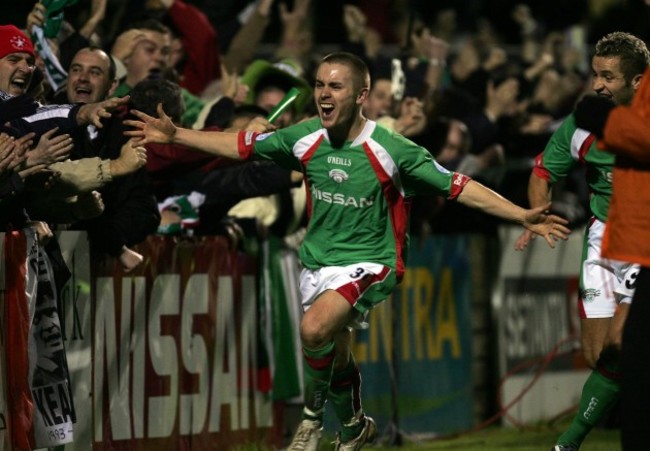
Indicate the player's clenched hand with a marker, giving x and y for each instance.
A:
(150, 129)
(551, 227)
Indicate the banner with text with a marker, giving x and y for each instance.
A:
(176, 350)
(416, 357)
(40, 410)
(170, 356)
(167, 357)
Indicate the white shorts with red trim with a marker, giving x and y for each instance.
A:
(604, 283)
(363, 285)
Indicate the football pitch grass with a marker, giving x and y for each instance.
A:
(508, 439)
(493, 438)
(496, 438)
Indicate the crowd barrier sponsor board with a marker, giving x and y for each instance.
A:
(166, 357)
(535, 310)
(173, 355)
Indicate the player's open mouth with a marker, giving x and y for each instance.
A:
(327, 109)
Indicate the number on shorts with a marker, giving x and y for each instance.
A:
(630, 280)
(357, 272)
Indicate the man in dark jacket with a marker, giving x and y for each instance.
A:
(130, 210)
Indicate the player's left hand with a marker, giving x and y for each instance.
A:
(551, 227)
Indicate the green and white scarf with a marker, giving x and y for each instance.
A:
(55, 73)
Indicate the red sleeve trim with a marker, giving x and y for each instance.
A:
(458, 182)
(246, 144)
(539, 170)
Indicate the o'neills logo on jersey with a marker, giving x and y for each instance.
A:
(341, 199)
(338, 175)
(340, 161)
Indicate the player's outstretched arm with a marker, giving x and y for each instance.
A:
(551, 227)
(162, 130)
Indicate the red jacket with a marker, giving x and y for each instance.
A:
(200, 44)
(166, 161)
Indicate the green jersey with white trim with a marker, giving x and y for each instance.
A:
(569, 146)
(358, 194)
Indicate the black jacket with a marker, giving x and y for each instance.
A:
(131, 212)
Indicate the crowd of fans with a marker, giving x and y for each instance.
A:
(450, 80)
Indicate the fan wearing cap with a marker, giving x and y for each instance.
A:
(17, 65)
(17, 60)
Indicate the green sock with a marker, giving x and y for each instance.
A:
(598, 395)
(317, 365)
(345, 394)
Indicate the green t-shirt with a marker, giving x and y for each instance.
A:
(358, 194)
(569, 146)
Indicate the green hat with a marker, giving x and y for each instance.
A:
(286, 74)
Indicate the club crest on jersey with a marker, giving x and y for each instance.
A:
(589, 294)
(338, 175)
